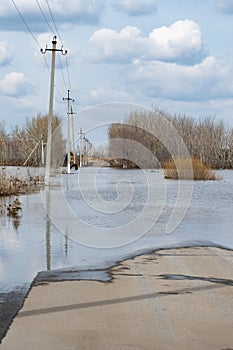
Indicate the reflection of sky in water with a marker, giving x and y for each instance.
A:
(33, 243)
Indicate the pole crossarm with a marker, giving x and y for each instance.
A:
(54, 42)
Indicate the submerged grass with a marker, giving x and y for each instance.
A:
(190, 169)
(17, 184)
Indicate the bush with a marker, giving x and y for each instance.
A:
(189, 169)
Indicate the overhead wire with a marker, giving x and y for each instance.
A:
(53, 20)
(37, 42)
(52, 30)
(59, 36)
(68, 72)
(50, 27)
(29, 30)
(45, 18)
(24, 22)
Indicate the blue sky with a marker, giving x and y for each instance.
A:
(173, 54)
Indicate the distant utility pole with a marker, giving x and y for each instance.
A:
(49, 136)
(72, 121)
(68, 99)
(81, 148)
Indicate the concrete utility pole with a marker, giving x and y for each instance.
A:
(68, 99)
(81, 148)
(42, 149)
(72, 121)
(49, 136)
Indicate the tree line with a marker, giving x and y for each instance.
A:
(147, 140)
(26, 145)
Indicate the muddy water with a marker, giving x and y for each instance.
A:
(92, 218)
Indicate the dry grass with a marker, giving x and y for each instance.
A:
(188, 169)
(15, 184)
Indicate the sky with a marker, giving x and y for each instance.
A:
(176, 55)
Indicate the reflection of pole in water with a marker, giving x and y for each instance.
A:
(66, 242)
(48, 225)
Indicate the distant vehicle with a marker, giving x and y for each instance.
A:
(74, 161)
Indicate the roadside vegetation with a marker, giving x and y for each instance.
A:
(188, 169)
(17, 184)
(27, 144)
(209, 143)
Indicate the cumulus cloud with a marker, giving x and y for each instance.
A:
(115, 46)
(204, 81)
(225, 5)
(65, 12)
(5, 53)
(15, 85)
(136, 8)
(182, 41)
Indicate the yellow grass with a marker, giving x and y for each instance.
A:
(189, 168)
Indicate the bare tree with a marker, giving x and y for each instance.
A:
(205, 139)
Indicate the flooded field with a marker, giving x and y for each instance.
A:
(95, 217)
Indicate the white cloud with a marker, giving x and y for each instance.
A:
(110, 93)
(182, 42)
(5, 53)
(115, 46)
(136, 7)
(207, 80)
(65, 12)
(15, 85)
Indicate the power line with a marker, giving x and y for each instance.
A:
(33, 36)
(68, 73)
(25, 23)
(43, 14)
(29, 30)
(62, 73)
(52, 17)
(35, 39)
(59, 36)
(50, 27)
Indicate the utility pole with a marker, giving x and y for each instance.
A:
(81, 148)
(72, 121)
(42, 149)
(68, 99)
(50, 115)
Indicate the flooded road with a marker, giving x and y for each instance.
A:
(96, 217)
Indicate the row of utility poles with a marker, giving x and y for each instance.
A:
(85, 145)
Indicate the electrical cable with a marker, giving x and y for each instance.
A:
(37, 42)
(25, 23)
(34, 38)
(29, 30)
(50, 27)
(59, 36)
(43, 14)
(68, 73)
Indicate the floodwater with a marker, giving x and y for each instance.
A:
(93, 218)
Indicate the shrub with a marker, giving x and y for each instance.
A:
(189, 168)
